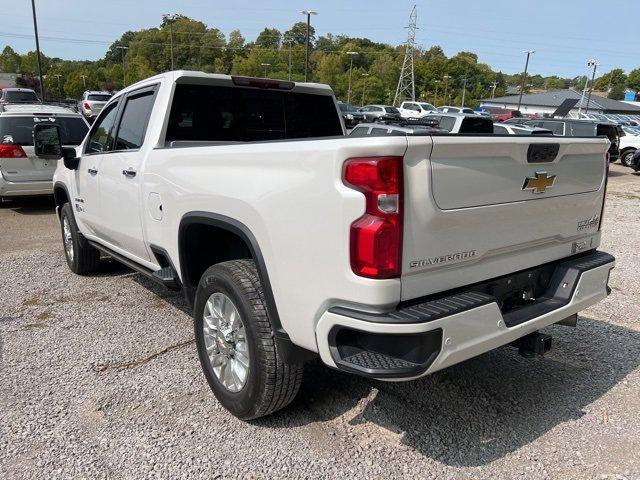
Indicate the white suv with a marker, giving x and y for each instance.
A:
(21, 172)
(416, 109)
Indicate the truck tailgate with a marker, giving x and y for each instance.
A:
(481, 207)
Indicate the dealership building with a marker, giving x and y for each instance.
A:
(547, 103)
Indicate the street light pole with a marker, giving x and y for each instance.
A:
(435, 97)
(364, 87)
(124, 75)
(464, 91)
(446, 87)
(290, 51)
(170, 18)
(594, 64)
(84, 80)
(57, 75)
(308, 13)
(351, 55)
(493, 89)
(35, 29)
(266, 67)
(524, 77)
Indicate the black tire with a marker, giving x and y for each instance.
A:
(626, 158)
(3, 202)
(85, 259)
(271, 384)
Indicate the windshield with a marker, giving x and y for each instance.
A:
(345, 107)
(20, 96)
(392, 110)
(19, 130)
(428, 106)
(99, 97)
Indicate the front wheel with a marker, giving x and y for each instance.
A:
(627, 158)
(81, 257)
(235, 342)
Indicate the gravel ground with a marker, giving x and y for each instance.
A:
(99, 378)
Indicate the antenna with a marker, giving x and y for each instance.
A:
(406, 83)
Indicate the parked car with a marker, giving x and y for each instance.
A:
(629, 143)
(570, 127)
(462, 122)
(371, 112)
(18, 95)
(510, 129)
(388, 257)
(416, 109)
(501, 114)
(350, 115)
(397, 127)
(450, 109)
(91, 103)
(22, 173)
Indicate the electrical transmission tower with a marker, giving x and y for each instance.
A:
(406, 84)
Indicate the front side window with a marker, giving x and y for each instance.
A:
(134, 120)
(100, 138)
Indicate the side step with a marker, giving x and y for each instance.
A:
(167, 276)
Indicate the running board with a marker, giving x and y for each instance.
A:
(165, 276)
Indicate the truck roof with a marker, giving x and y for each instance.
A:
(192, 76)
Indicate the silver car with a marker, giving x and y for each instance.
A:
(92, 102)
(21, 172)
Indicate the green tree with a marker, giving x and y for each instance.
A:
(269, 38)
(617, 92)
(610, 79)
(9, 60)
(298, 34)
(633, 80)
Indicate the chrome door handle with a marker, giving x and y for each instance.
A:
(129, 173)
(92, 171)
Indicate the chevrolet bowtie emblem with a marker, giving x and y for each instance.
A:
(539, 183)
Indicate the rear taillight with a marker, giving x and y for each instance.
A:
(86, 106)
(607, 160)
(376, 237)
(10, 150)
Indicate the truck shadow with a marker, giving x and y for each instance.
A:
(40, 205)
(478, 411)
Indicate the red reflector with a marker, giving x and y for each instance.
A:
(86, 106)
(262, 83)
(376, 237)
(10, 150)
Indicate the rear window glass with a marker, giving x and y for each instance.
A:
(19, 129)
(359, 132)
(476, 125)
(583, 129)
(228, 114)
(18, 96)
(98, 97)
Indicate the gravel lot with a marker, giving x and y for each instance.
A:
(99, 378)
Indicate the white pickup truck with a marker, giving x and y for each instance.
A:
(387, 256)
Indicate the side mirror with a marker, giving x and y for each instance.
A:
(71, 161)
(46, 141)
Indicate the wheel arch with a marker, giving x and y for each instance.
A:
(60, 196)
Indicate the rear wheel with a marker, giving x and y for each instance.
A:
(81, 257)
(627, 157)
(235, 342)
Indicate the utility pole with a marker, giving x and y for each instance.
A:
(494, 85)
(435, 97)
(351, 55)
(124, 75)
(364, 87)
(446, 87)
(266, 67)
(57, 75)
(35, 29)
(290, 51)
(406, 83)
(170, 18)
(464, 90)
(594, 64)
(308, 13)
(84, 80)
(524, 77)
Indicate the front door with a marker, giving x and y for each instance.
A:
(86, 198)
(121, 178)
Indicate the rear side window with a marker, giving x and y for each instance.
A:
(232, 114)
(98, 97)
(476, 125)
(19, 130)
(583, 130)
(134, 120)
(556, 127)
(359, 132)
(447, 123)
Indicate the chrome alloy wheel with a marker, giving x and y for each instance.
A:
(226, 342)
(67, 238)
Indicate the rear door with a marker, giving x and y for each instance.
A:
(121, 176)
(482, 207)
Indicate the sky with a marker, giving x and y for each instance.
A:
(565, 34)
